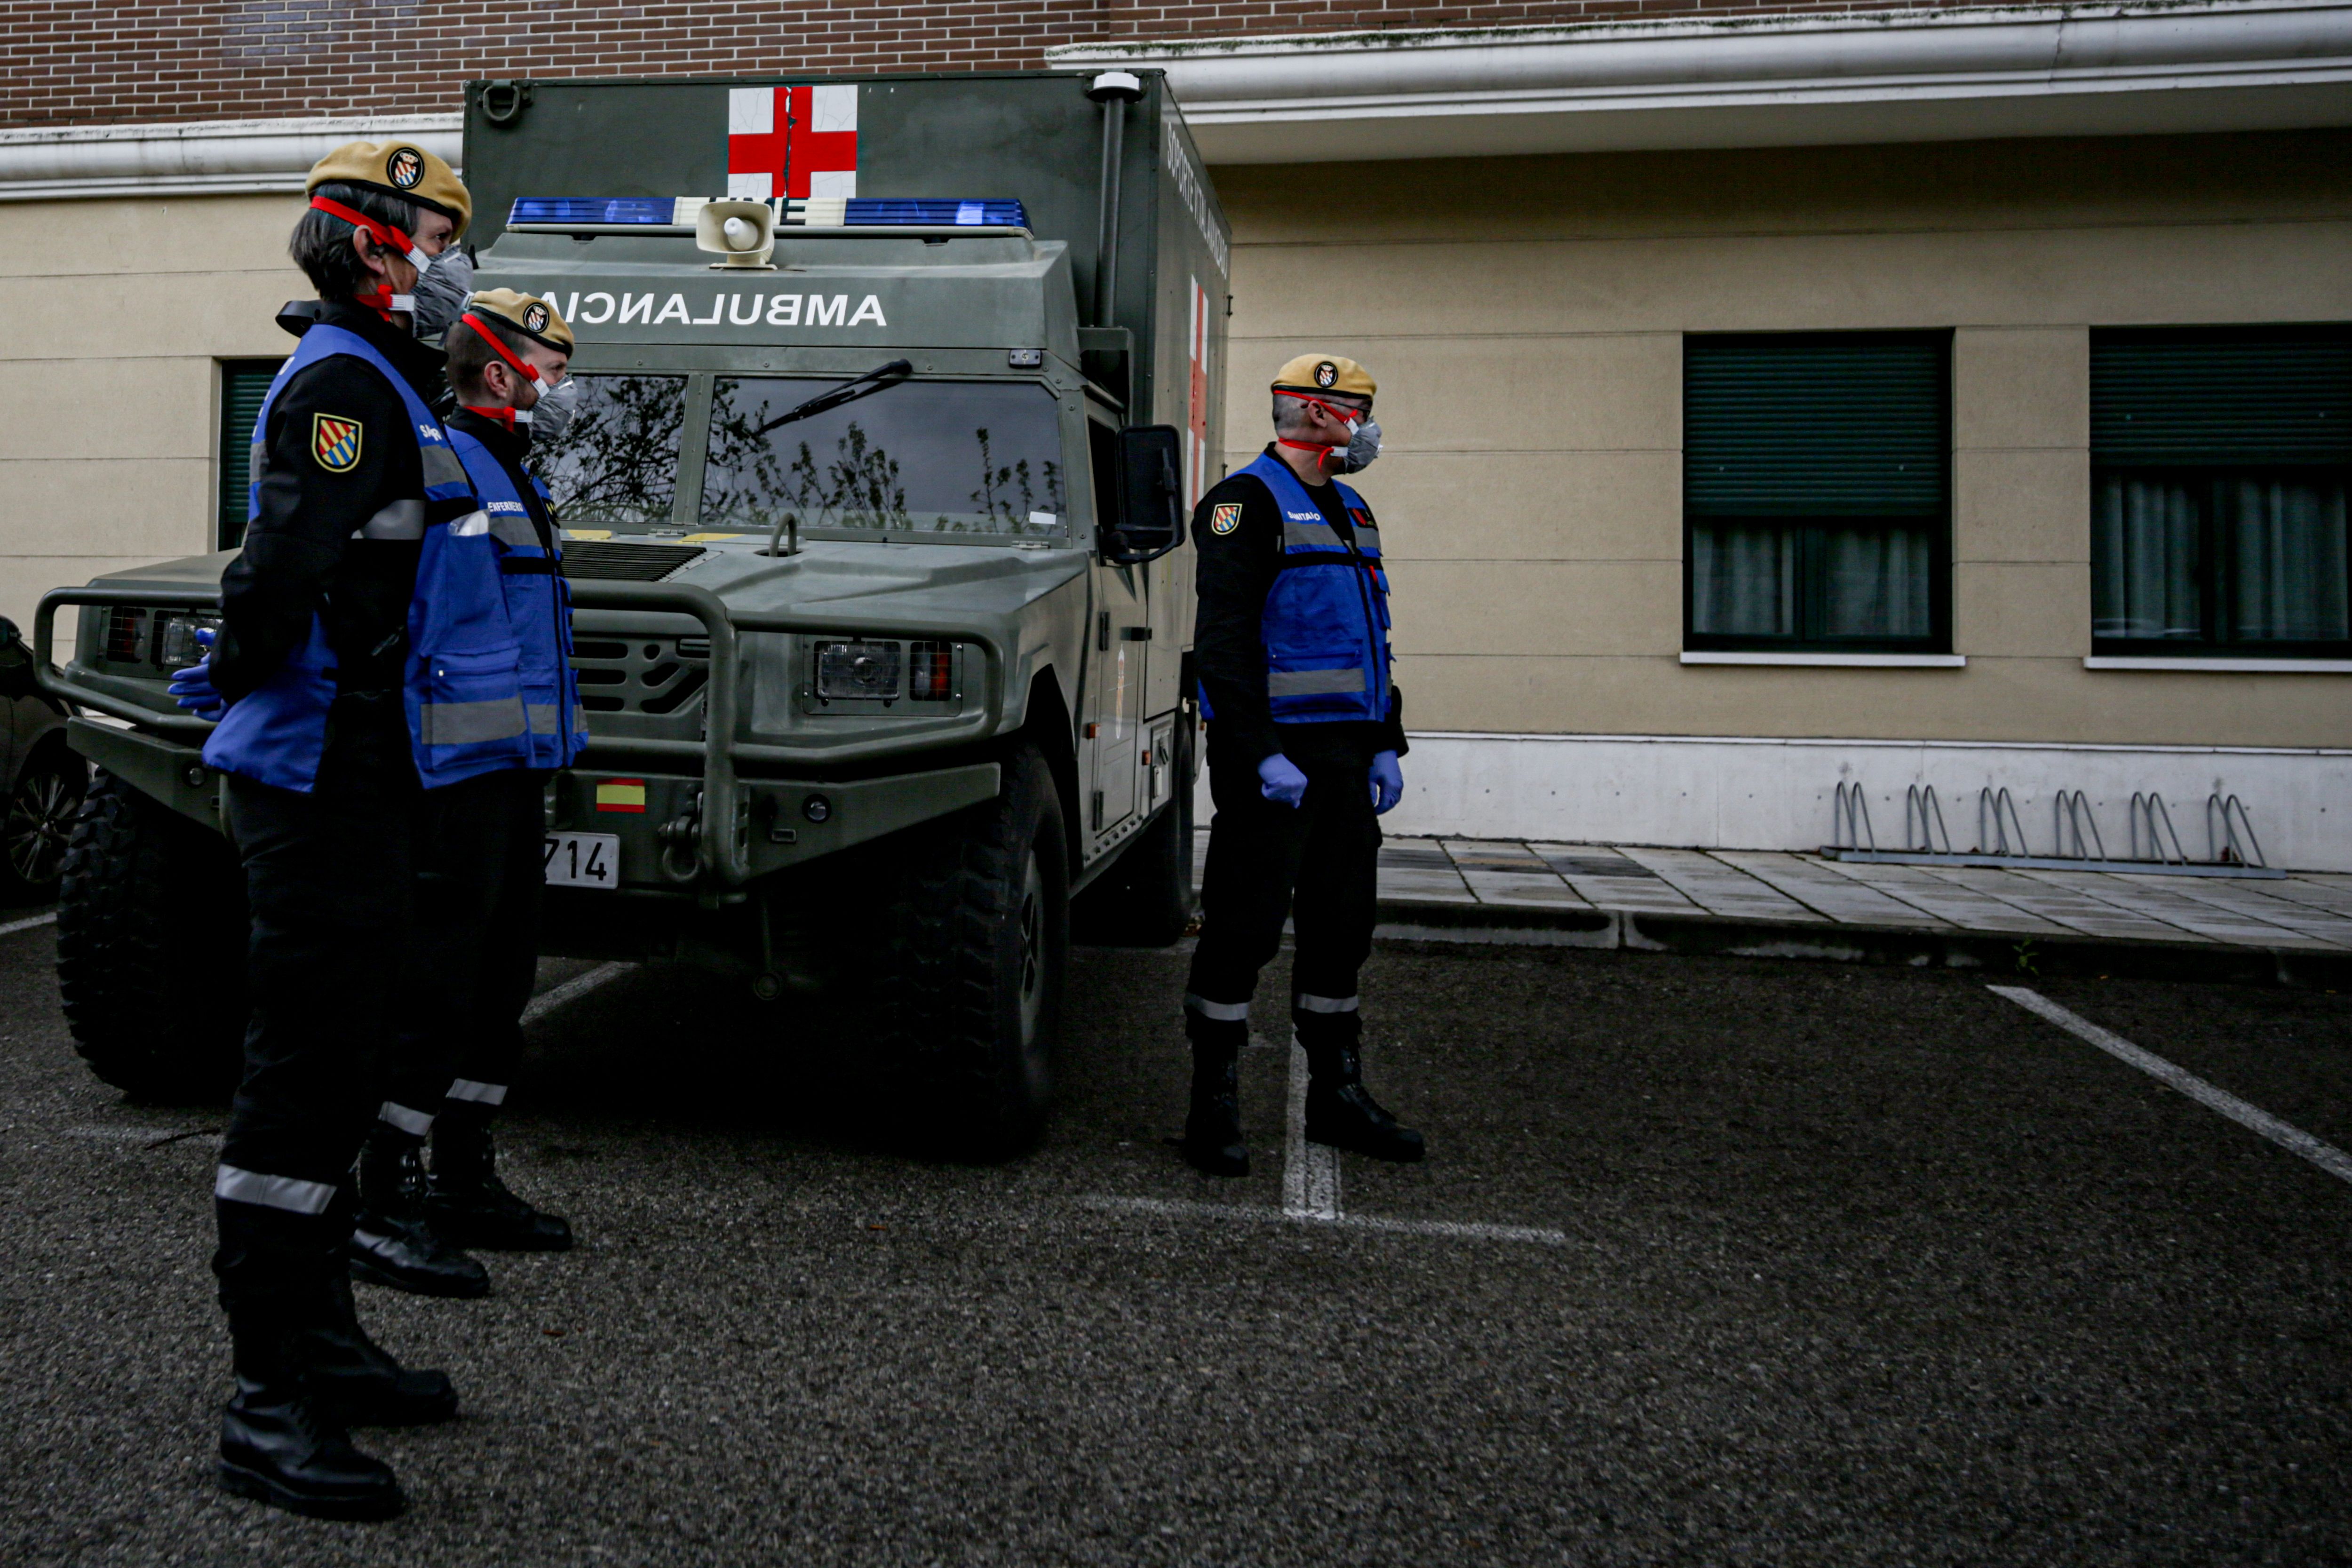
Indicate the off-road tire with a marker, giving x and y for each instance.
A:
(150, 948)
(1145, 900)
(976, 931)
(37, 824)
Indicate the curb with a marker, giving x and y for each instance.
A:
(1912, 947)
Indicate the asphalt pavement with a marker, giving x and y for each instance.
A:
(1714, 1261)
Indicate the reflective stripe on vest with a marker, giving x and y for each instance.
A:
(1326, 620)
(538, 612)
(276, 733)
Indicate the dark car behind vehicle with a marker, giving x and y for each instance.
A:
(45, 780)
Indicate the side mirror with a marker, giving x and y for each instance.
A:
(1150, 520)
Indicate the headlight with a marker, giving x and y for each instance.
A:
(174, 639)
(857, 670)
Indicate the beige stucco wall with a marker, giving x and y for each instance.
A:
(116, 317)
(1524, 318)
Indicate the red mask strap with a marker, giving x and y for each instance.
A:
(382, 233)
(495, 416)
(1324, 455)
(377, 300)
(528, 371)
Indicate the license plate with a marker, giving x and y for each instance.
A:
(583, 859)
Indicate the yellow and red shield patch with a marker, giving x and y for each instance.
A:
(335, 443)
(1224, 518)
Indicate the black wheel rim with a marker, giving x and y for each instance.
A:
(40, 820)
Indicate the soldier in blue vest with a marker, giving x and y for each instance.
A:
(364, 659)
(1305, 731)
(479, 857)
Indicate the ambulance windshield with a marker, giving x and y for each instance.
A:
(920, 456)
(616, 465)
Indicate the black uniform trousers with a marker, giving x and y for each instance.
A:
(479, 874)
(1315, 863)
(328, 880)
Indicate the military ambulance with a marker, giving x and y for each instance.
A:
(898, 393)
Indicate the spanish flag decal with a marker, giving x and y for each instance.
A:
(621, 795)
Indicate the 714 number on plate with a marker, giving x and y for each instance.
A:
(583, 860)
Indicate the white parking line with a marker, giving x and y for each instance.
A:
(2295, 1139)
(1310, 1172)
(1462, 1231)
(571, 990)
(29, 923)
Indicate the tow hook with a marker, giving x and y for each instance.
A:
(680, 859)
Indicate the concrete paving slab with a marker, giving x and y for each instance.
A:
(1825, 892)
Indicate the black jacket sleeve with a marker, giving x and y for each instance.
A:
(1234, 572)
(308, 510)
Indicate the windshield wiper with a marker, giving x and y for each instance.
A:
(880, 379)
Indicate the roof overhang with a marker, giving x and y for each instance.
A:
(1749, 81)
(204, 157)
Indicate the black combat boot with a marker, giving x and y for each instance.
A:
(1341, 1111)
(467, 1203)
(280, 1445)
(393, 1244)
(356, 1380)
(1212, 1130)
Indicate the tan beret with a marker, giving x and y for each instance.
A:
(533, 317)
(1312, 374)
(397, 168)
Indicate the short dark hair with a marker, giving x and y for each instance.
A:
(322, 244)
(469, 355)
(1290, 408)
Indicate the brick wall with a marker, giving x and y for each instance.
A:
(100, 61)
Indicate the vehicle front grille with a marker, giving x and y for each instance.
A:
(607, 561)
(640, 674)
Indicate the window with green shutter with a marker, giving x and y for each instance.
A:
(244, 383)
(2219, 467)
(1817, 491)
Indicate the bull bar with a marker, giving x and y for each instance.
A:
(723, 845)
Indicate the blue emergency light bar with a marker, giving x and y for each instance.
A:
(593, 209)
(865, 212)
(821, 212)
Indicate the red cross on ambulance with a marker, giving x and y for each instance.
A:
(794, 141)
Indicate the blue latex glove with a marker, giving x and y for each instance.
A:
(1280, 780)
(1388, 783)
(193, 689)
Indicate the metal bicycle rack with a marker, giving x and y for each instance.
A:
(2076, 843)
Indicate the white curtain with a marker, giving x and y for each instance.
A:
(1870, 581)
(2286, 580)
(1744, 582)
(1875, 582)
(2281, 543)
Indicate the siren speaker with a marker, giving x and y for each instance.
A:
(742, 232)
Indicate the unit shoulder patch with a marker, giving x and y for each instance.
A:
(335, 442)
(1226, 518)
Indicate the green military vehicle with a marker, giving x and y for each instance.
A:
(897, 394)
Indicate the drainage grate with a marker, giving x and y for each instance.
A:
(600, 560)
(1598, 866)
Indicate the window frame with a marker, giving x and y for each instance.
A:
(1811, 583)
(233, 447)
(2214, 558)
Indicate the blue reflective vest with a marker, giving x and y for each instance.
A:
(462, 688)
(539, 610)
(1325, 624)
